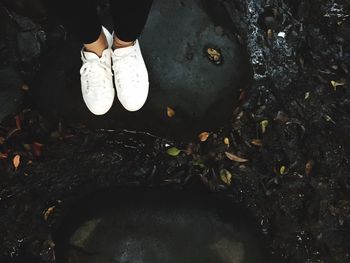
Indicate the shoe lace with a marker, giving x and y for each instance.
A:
(126, 66)
(92, 73)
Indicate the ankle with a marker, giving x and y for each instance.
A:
(118, 43)
(98, 46)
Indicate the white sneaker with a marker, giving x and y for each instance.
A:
(97, 79)
(131, 77)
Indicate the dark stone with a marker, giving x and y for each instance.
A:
(157, 227)
(28, 45)
(10, 91)
(182, 77)
(30, 8)
(25, 23)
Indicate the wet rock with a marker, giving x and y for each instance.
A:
(159, 227)
(32, 8)
(181, 75)
(11, 92)
(28, 45)
(25, 23)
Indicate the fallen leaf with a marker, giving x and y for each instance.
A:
(2, 140)
(307, 95)
(264, 125)
(214, 55)
(16, 161)
(256, 142)
(226, 176)
(203, 136)
(12, 133)
(308, 167)
(282, 117)
(25, 87)
(269, 33)
(189, 149)
(282, 170)
(242, 95)
(48, 212)
(235, 158)
(170, 112)
(173, 151)
(226, 141)
(37, 147)
(335, 84)
(18, 122)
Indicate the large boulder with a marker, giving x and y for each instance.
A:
(175, 42)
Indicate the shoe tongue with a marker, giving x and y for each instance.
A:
(90, 55)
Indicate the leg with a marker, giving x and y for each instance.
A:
(130, 72)
(129, 17)
(80, 18)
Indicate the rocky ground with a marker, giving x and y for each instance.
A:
(283, 155)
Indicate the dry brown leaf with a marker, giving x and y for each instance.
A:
(189, 149)
(18, 122)
(269, 33)
(214, 55)
(235, 158)
(16, 161)
(48, 212)
(3, 155)
(308, 167)
(256, 142)
(37, 149)
(203, 136)
(170, 112)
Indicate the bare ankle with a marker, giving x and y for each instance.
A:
(118, 43)
(98, 46)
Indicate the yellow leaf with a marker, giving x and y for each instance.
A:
(226, 176)
(335, 84)
(214, 54)
(16, 161)
(264, 125)
(48, 212)
(203, 136)
(256, 142)
(226, 141)
(173, 151)
(235, 158)
(282, 170)
(170, 112)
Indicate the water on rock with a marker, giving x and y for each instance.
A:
(158, 226)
